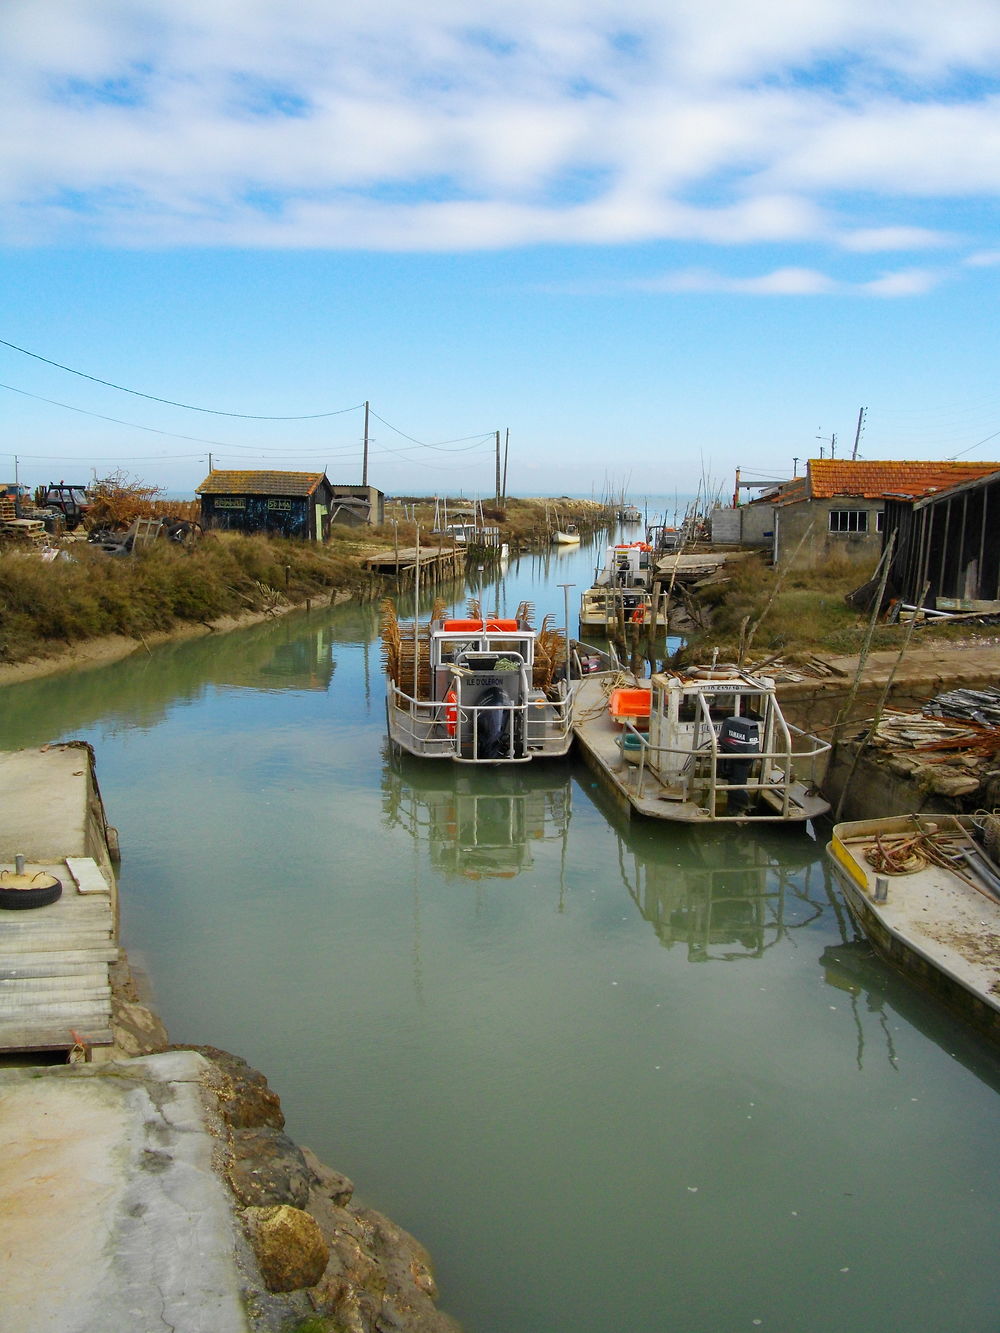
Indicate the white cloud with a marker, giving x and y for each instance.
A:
(870, 240)
(573, 121)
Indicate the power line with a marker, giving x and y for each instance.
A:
(255, 449)
(481, 435)
(170, 402)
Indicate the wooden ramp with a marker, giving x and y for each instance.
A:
(55, 985)
(54, 961)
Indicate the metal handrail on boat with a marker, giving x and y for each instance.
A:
(710, 750)
(428, 736)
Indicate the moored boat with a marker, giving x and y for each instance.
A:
(708, 745)
(926, 893)
(622, 591)
(567, 536)
(478, 690)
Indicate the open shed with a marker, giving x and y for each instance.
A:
(949, 540)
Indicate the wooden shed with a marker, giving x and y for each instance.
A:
(289, 504)
(950, 541)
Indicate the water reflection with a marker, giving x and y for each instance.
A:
(296, 653)
(882, 1000)
(477, 823)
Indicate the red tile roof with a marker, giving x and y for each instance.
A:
(259, 483)
(829, 477)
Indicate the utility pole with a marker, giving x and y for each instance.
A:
(833, 444)
(857, 433)
(364, 465)
(498, 471)
(506, 454)
(209, 462)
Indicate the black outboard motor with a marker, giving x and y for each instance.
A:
(493, 724)
(739, 742)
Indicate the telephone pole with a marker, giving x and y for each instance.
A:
(498, 471)
(857, 433)
(364, 464)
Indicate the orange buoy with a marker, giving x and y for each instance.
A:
(451, 712)
(638, 615)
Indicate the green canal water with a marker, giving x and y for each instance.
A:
(615, 1077)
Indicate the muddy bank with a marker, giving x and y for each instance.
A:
(316, 1253)
(100, 652)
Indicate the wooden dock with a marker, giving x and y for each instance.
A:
(55, 987)
(436, 563)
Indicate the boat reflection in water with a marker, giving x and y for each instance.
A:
(478, 823)
(720, 893)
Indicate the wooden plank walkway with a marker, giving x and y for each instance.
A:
(54, 968)
(435, 561)
(55, 961)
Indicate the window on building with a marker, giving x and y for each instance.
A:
(848, 520)
(880, 521)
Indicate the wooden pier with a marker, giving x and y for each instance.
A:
(436, 563)
(55, 986)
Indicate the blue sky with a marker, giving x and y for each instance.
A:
(654, 239)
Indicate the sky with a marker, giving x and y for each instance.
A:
(648, 241)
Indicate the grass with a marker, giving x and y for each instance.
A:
(46, 607)
(807, 615)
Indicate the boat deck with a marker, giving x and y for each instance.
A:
(934, 924)
(600, 742)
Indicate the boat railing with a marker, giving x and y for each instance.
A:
(588, 660)
(773, 767)
(538, 726)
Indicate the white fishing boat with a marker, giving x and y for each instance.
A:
(477, 690)
(925, 890)
(567, 536)
(708, 745)
(629, 515)
(622, 591)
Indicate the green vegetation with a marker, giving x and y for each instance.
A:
(87, 593)
(45, 607)
(808, 614)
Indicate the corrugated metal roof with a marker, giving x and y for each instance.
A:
(829, 477)
(259, 483)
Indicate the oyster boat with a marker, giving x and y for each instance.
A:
(708, 745)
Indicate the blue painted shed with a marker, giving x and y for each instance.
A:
(288, 504)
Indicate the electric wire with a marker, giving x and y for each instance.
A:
(170, 402)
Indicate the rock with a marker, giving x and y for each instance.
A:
(245, 1100)
(289, 1246)
(949, 782)
(332, 1184)
(268, 1168)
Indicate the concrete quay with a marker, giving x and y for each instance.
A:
(115, 1219)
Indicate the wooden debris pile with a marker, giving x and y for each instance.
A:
(981, 706)
(809, 668)
(951, 756)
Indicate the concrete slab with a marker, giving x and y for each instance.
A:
(114, 1218)
(51, 804)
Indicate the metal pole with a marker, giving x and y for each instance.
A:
(364, 465)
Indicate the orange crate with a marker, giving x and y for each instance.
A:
(633, 706)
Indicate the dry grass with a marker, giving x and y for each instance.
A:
(808, 615)
(44, 607)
